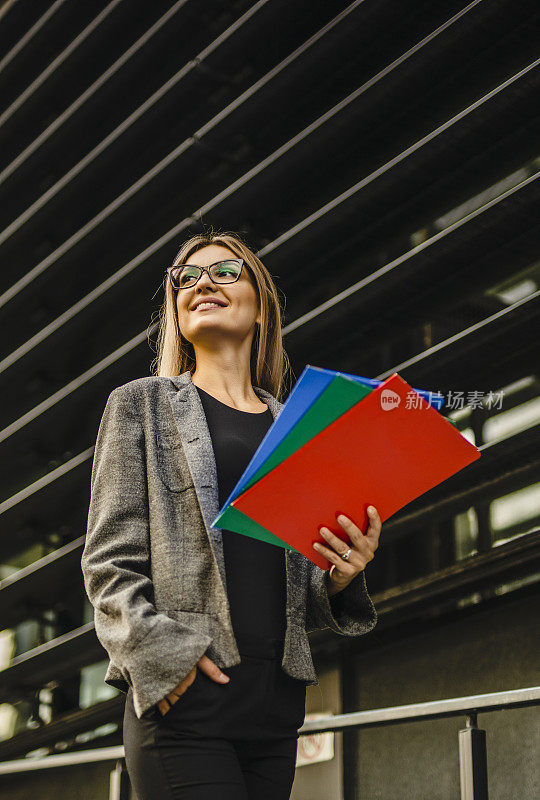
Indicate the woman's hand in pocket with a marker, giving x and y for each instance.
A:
(212, 670)
(206, 665)
(170, 699)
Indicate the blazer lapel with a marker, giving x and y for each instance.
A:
(193, 429)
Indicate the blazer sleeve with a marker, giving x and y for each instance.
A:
(152, 651)
(350, 612)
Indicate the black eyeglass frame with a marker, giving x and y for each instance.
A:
(204, 269)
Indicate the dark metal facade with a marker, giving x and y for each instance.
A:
(382, 158)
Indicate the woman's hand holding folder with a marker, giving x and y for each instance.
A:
(362, 550)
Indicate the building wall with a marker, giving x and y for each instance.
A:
(484, 651)
(324, 779)
(86, 782)
(488, 651)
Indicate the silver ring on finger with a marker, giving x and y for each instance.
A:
(347, 555)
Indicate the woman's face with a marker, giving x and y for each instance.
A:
(234, 320)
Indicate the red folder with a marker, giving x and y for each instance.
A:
(384, 451)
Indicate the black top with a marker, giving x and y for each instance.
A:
(255, 570)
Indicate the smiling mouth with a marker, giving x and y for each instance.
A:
(207, 306)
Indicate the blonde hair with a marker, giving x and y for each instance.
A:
(269, 361)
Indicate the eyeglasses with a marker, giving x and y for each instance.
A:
(186, 275)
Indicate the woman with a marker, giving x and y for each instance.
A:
(176, 601)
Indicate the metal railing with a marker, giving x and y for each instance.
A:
(472, 740)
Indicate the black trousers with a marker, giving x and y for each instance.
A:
(234, 741)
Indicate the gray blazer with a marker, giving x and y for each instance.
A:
(153, 566)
